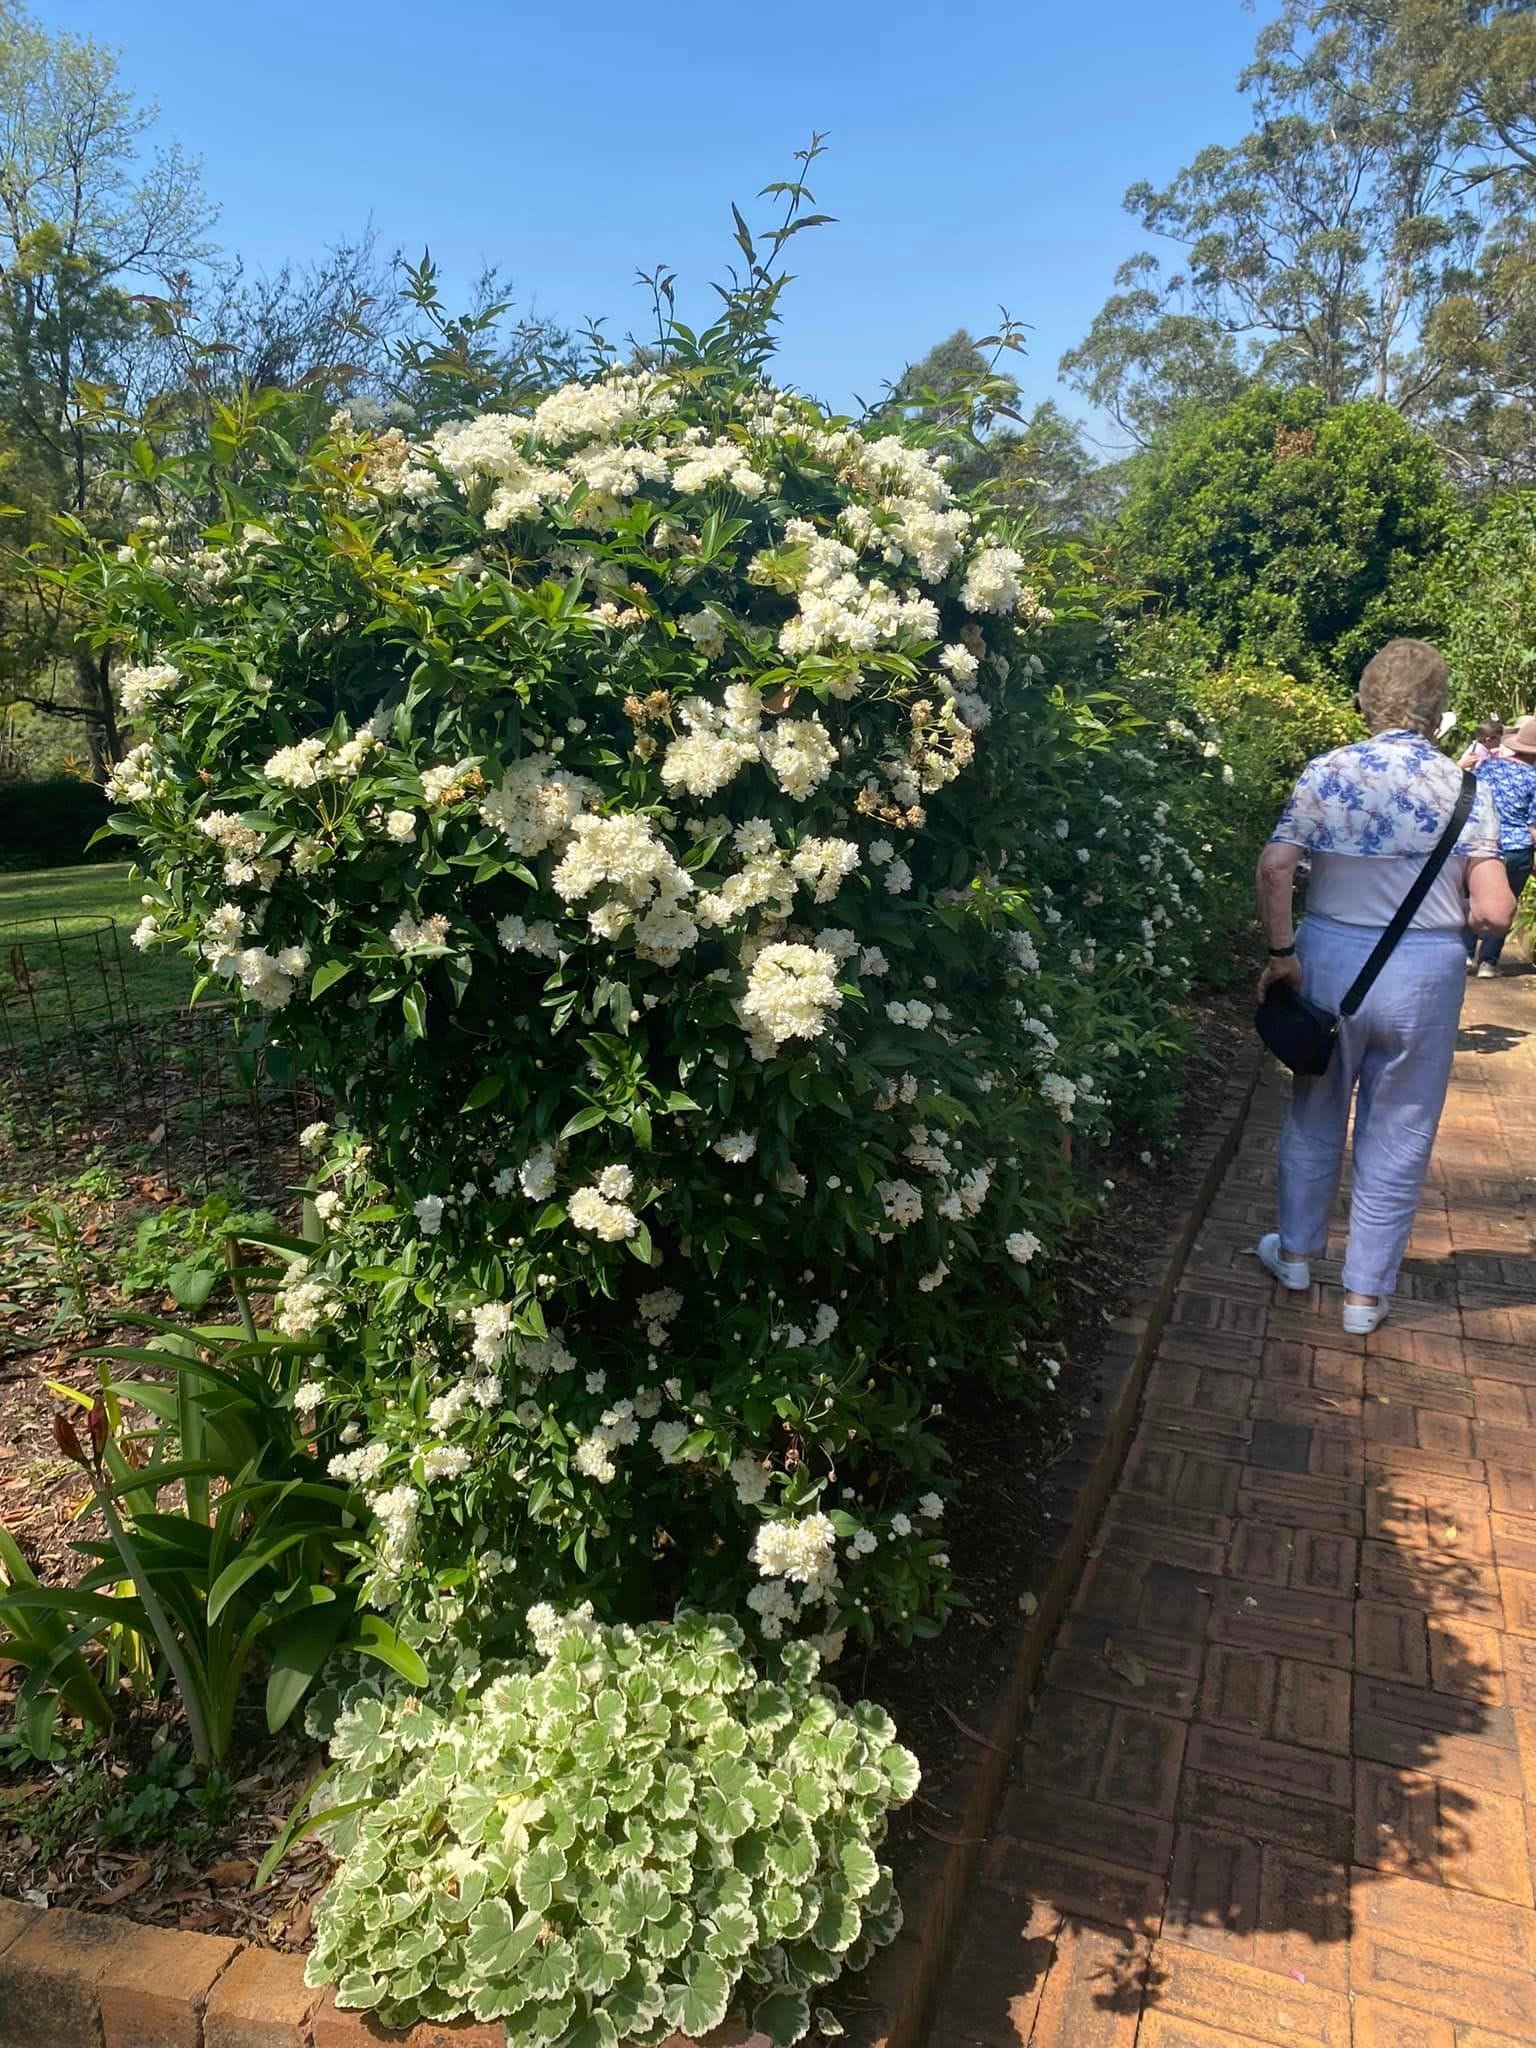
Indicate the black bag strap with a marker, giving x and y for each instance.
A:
(1381, 952)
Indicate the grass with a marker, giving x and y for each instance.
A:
(80, 898)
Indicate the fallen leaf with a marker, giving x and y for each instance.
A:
(235, 1870)
(971, 1734)
(298, 1929)
(1123, 1664)
(135, 1881)
(1028, 1604)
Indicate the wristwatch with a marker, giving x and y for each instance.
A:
(1282, 952)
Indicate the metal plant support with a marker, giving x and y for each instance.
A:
(82, 1065)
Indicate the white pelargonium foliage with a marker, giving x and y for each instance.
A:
(626, 1838)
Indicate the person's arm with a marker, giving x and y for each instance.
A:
(1490, 900)
(1275, 883)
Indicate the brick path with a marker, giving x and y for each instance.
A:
(1280, 1784)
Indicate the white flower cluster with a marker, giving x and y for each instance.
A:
(303, 1305)
(139, 778)
(791, 992)
(602, 1210)
(311, 762)
(139, 688)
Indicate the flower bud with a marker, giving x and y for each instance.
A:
(64, 1436)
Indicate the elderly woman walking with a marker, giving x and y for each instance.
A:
(1369, 816)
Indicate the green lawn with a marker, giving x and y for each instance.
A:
(80, 898)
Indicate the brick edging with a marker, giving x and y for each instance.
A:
(900, 1986)
(85, 1980)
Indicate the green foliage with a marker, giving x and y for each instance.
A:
(629, 1837)
(1484, 587)
(256, 1564)
(50, 824)
(1288, 532)
(179, 1249)
(40, 1642)
(168, 1801)
(626, 1235)
(1269, 725)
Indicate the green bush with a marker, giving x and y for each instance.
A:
(1268, 726)
(1485, 589)
(1287, 532)
(622, 1839)
(49, 824)
(717, 883)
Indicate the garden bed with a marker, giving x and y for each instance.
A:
(120, 1212)
(1005, 1459)
(184, 1870)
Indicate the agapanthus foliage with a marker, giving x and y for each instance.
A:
(705, 863)
(620, 1839)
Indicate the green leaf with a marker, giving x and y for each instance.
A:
(597, 2030)
(191, 1283)
(859, 1867)
(484, 1091)
(550, 1970)
(904, 1772)
(374, 1637)
(296, 1650)
(584, 1120)
(699, 2004)
(497, 1943)
(414, 1004)
(636, 2002)
(600, 1962)
(784, 2016)
(542, 1870)
(327, 977)
(639, 1897)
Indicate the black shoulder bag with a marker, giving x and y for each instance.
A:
(1302, 1034)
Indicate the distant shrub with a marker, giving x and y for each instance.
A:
(1269, 725)
(1288, 532)
(49, 824)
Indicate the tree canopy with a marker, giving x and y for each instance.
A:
(1368, 237)
(1287, 530)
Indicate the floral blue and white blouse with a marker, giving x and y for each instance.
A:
(1513, 784)
(1385, 800)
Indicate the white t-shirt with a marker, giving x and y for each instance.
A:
(1355, 889)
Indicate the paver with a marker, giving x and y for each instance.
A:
(1313, 1822)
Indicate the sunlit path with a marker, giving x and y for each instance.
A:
(1280, 1784)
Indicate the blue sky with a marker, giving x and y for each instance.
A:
(978, 153)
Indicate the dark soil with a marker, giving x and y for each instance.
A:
(1003, 1454)
(94, 1139)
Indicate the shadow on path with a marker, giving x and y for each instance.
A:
(1274, 1788)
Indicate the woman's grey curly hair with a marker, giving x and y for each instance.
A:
(1404, 686)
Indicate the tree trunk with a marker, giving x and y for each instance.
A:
(93, 680)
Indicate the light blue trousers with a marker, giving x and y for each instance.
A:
(1393, 1058)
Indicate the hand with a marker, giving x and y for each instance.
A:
(1287, 969)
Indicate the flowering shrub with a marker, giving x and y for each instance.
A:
(622, 1841)
(728, 906)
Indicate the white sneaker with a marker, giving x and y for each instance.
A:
(1295, 1274)
(1360, 1321)
(1471, 963)
(1486, 970)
